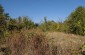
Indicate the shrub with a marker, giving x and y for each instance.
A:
(76, 21)
(82, 49)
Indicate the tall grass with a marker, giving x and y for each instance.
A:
(28, 42)
(36, 42)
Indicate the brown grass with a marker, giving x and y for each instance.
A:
(67, 44)
(36, 42)
(28, 42)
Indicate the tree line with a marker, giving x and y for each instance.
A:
(75, 23)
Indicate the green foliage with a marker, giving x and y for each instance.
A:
(3, 21)
(76, 21)
(2, 18)
(20, 23)
(11, 24)
(28, 24)
(83, 49)
(62, 27)
(49, 25)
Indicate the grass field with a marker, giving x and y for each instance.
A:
(67, 44)
(29, 42)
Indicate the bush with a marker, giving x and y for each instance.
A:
(49, 26)
(83, 49)
(76, 21)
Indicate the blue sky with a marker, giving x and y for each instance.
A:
(56, 10)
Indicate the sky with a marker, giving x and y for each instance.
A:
(57, 10)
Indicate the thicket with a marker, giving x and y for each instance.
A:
(76, 21)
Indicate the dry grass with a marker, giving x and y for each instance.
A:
(67, 44)
(36, 42)
(28, 42)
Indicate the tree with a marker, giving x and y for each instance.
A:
(76, 21)
(11, 24)
(48, 25)
(20, 24)
(3, 20)
(28, 23)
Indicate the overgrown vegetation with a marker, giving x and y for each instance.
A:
(27, 42)
(76, 21)
(21, 36)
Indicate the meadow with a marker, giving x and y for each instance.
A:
(21, 36)
(28, 42)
